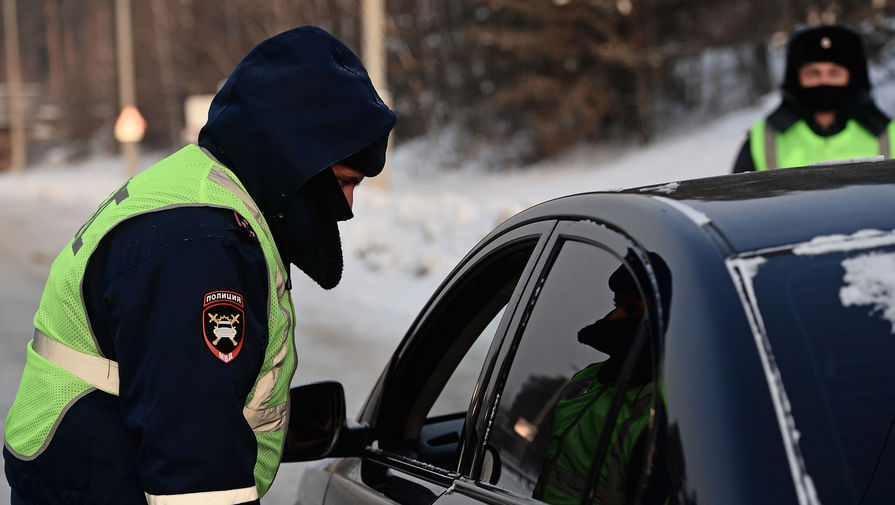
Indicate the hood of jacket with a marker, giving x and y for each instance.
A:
(298, 103)
(295, 105)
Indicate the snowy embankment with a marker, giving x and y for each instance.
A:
(402, 242)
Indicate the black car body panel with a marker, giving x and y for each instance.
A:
(723, 422)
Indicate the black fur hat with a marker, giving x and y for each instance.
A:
(833, 43)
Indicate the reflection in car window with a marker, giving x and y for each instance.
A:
(835, 356)
(430, 389)
(562, 384)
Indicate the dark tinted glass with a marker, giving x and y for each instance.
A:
(558, 391)
(829, 322)
(428, 393)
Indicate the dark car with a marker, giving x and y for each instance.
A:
(723, 340)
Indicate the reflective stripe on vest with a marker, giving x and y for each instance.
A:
(227, 497)
(885, 143)
(258, 413)
(99, 372)
(64, 361)
(800, 146)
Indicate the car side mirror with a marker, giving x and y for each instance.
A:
(318, 427)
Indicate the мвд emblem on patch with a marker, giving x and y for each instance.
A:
(222, 322)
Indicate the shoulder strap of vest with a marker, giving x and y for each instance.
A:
(763, 146)
(770, 147)
(885, 141)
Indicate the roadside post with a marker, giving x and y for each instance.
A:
(374, 57)
(132, 124)
(129, 130)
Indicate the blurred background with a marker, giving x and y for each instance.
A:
(501, 104)
(512, 81)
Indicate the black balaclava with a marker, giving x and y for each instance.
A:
(298, 103)
(615, 337)
(835, 44)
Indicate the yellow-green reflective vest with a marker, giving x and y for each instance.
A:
(799, 145)
(64, 362)
(576, 427)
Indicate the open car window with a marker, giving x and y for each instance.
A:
(454, 397)
(428, 390)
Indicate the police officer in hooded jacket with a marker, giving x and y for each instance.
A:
(163, 349)
(826, 112)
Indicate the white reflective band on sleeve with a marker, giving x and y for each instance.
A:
(266, 420)
(259, 416)
(228, 497)
(99, 372)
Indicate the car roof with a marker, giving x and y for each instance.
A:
(752, 210)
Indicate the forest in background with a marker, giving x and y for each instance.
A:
(534, 77)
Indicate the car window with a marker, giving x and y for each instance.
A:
(565, 382)
(830, 323)
(455, 395)
(428, 392)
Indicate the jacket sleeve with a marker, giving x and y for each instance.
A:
(189, 326)
(744, 161)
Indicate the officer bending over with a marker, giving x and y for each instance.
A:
(160, 365)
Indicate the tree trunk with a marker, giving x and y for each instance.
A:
(162, 30)
(761, 75)
(18, 146)
(55, 62)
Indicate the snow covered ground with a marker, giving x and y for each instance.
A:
(398, 248)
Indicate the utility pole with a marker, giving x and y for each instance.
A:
(374, 56)
(127, 93)
(373, 45)
(18, 147)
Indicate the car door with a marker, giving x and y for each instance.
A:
(569, 412)
(420, 406)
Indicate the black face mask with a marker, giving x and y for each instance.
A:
(614, 337)
(824, 98)
(307, 231)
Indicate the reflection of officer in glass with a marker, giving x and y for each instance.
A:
(583, 407)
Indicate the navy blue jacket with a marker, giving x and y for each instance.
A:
(298, 103)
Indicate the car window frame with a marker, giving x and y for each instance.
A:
(595, 233)
(373, 412)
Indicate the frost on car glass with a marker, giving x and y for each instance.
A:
(829, 321)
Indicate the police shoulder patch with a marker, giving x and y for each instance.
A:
(223, 318)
